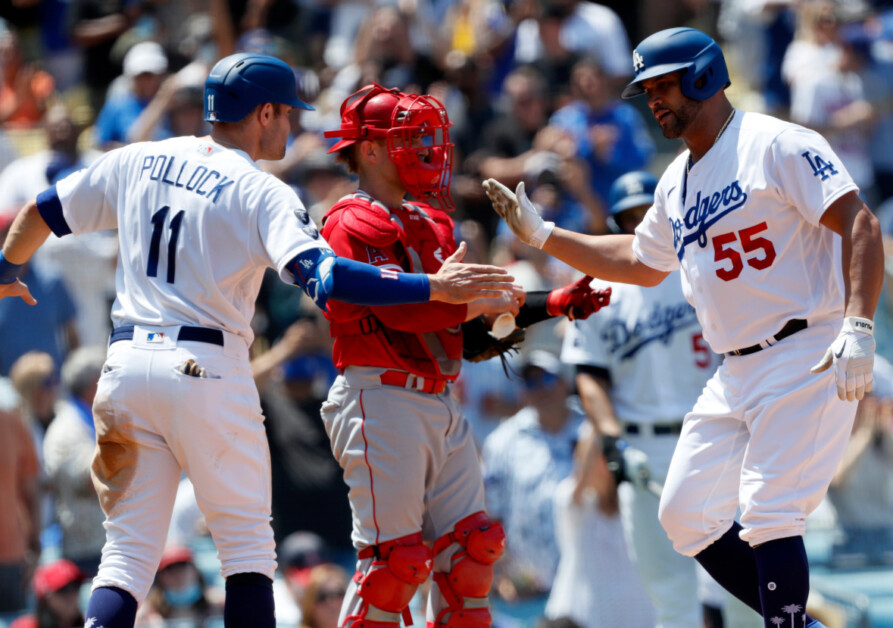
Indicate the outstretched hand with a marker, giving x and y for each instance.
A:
(17, 289)
(578, 300)
(457, 282)
(518, 212)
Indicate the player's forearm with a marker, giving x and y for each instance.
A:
(27, 233)
(608, 257)
(597, 404)
(863, 264)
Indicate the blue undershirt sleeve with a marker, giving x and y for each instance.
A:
(322, 276)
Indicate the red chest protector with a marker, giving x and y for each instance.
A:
(414, 238)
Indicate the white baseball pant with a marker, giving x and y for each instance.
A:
(766, 434)
(152, 421)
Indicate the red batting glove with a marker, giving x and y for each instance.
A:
(577, 300)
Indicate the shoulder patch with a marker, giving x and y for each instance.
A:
(368, 222)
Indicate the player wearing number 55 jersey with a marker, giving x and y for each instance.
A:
(198, 223)
(762, 218)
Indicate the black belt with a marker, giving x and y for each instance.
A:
(790, 328)
(186, 332)
(658, 429)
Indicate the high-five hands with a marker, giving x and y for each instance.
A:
(852, 354)
(519, 213)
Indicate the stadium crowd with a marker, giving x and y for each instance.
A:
(532, 89)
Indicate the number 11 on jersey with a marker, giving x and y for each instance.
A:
(158, 220)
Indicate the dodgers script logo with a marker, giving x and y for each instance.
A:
(703, 214)
(659, 324)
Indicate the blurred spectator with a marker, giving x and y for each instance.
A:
(832, 101)
(57, 586)
(524, 460)
(68, 455)
(188, 524)
(24, 89)
(814, 49)
(608, 134)
(96, 26)
(561, 190)
(36, 381)
(596, 583)
(862, 489)
(145, 65)
(85, 265)
(321, 603)
(179, 594)
(565, 30)
(507, 141)
(298, 555)
(487, 395)
(757, 33)
(293, 377)
(178, 106)
(19, 512)
(49, 327)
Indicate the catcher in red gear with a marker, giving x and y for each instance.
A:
(407, 452)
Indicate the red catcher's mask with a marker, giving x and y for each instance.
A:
(416, 130)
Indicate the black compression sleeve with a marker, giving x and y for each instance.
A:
(533, 310)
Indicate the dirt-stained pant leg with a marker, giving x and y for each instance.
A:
(134, 473)
(153, 421)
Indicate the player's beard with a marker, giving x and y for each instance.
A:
(681, 119)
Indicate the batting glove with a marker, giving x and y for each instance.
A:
(626, 464)
(852, 355)
(578, 300)
(519, 213)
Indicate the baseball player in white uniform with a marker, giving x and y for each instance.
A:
(640, 366)
(762, 218)
(198, 223)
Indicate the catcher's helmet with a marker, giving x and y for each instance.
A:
(634, 189)
(416, 129)
(674, 49)
(240, 82)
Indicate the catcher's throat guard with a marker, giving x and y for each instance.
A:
(416, 130)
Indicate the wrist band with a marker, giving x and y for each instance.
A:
(538, 238)
(9, 272)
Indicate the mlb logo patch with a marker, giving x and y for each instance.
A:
(155, 336)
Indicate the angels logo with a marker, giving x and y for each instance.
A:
(638, 62)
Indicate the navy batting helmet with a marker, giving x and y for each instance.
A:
(674, 49)
(634, 189)
(240, 82)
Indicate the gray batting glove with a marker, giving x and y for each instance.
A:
(852, 355)
(519, 213)
(635, 464)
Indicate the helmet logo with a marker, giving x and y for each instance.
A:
(634, 186)
(638, 62)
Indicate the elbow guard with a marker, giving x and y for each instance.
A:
(313, 273)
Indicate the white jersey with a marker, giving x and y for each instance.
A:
(743, 225)
(197, 226)
(646, 333)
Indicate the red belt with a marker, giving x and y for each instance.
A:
(411, 381)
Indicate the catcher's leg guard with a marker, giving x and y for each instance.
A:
(466, 585)
(387, 586)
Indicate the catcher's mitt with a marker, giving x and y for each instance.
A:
(478, 344)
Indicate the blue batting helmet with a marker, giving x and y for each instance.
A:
(634, 189)
(240, 82)
(674, 49)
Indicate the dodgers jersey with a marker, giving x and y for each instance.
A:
(197, 226)
(743, 225)
(644, 334)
